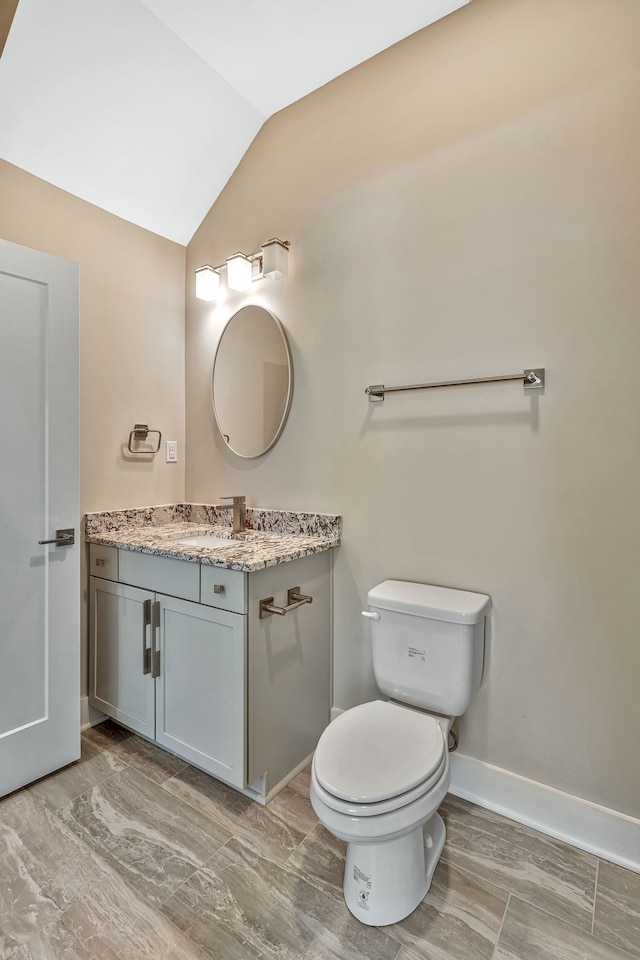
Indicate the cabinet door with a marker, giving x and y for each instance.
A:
(119, 637)
(200, 691)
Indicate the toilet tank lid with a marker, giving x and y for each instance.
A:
(424, 600)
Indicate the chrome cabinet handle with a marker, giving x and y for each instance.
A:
(155, 649)
(371, 616)
(63, 538)
(295, 599)
(219, 588)
(146, 622)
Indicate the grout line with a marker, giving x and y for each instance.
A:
(298, 845)
(595, 895)
(554, 916)
(400, 947)
(495, 946)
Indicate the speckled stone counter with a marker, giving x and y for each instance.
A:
(271, 536)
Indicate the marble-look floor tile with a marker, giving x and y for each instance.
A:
(144, 833)
(112, 923)
(55, 942)
(531, 934)
(459, 919)
(104, 736)
(43, 869)
(617, 913)
(152, 761)
(546, 872)
(270, 834)
(243, 906)
(293, 806)
(320, 860)
(115, 923)
(60, 788)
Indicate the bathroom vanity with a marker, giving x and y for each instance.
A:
(190, 644)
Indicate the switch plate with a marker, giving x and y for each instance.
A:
(172, 451)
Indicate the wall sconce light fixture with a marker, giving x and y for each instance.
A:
(207, 283)
(270, 261)
(239, 272)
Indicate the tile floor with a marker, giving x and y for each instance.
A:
(131, 853)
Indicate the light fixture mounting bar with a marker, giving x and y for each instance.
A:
(254, 256)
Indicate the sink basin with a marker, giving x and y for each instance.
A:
(204, 540)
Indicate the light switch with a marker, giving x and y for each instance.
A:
(172, 451)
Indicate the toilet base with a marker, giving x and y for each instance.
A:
(384, 882)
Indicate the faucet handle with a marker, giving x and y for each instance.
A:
(236, 499)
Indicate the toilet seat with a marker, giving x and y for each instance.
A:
(378, 757)
(390, 805)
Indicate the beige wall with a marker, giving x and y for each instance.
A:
(131, 337)
(466, 203)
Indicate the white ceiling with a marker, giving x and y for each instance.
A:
(146, 107)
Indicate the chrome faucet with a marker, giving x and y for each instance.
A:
(239, 507)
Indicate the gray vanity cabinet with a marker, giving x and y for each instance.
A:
(243, 697)
(195, 705)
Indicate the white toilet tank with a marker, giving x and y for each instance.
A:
(428, 644)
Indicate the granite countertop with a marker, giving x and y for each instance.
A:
(271, 536)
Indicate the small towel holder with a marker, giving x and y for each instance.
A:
(140, 432)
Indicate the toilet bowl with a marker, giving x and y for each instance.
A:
(379, 774)
(381, 769)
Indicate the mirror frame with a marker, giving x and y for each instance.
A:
(287, 406)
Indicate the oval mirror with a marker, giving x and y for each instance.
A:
(252, 381)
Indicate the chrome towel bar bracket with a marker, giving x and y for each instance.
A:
(533, 378)
(295, 599)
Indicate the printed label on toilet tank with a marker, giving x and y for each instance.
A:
(415, 654)
(364, 887)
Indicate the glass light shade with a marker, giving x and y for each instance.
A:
(207, 283)
(239, 272)
(275, 257)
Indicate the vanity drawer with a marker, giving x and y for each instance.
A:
(103, 562)
(176, 578)
(222, 588)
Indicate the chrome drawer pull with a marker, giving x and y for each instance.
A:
(219, 588)
(295, 599)
(155, 650)
(146, 622)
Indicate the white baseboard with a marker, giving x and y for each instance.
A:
(89, 716)
(598, 830)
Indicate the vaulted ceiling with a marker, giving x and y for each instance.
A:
(146, 107)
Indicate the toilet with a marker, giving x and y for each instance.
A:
(381, 769)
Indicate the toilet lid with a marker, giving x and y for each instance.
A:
(378, 750)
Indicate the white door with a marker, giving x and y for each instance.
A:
(39, 494)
